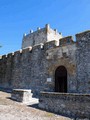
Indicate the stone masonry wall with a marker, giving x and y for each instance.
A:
(34, 38)
(29, 68)
(72, 105)
(63, 55)
(83, 62)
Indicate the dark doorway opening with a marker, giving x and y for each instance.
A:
(61, 79)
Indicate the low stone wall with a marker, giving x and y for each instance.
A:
(69, 104)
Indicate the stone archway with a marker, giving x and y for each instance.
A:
(61, 79)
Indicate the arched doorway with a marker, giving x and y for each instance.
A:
(61, 79)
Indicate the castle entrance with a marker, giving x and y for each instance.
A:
(61, 79)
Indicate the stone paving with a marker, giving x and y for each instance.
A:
(12, 110)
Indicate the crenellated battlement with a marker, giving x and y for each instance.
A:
(81, 34)
(10, 55)
(45, 46)
(66, 40)
(39, 47)
(18, 52)
(46, 29)
(47, 34)
(49, 44)
(4, 57)
(83, 40)
(40, 36)
(29, 49)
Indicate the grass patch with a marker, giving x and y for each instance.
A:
(49, 114)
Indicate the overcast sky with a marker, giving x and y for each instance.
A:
(19, 16)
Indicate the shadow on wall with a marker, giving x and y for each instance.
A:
(7, 90)
(36, 106)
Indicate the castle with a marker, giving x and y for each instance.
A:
(48, 62)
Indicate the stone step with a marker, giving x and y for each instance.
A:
(23, 90)
(31, 101)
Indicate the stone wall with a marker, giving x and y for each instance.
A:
(63, 55)
(29, 68)
(72, 105)
(83, 62)
(25, 69)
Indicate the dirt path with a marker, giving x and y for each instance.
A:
(12, 110)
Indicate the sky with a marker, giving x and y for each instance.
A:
(19, 16)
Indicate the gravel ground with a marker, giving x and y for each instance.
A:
(12, 110)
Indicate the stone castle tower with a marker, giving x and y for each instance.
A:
(41, 36)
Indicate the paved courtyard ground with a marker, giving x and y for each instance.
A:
(12, 110)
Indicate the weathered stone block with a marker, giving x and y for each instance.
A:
(72, 105)
(21, 95)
